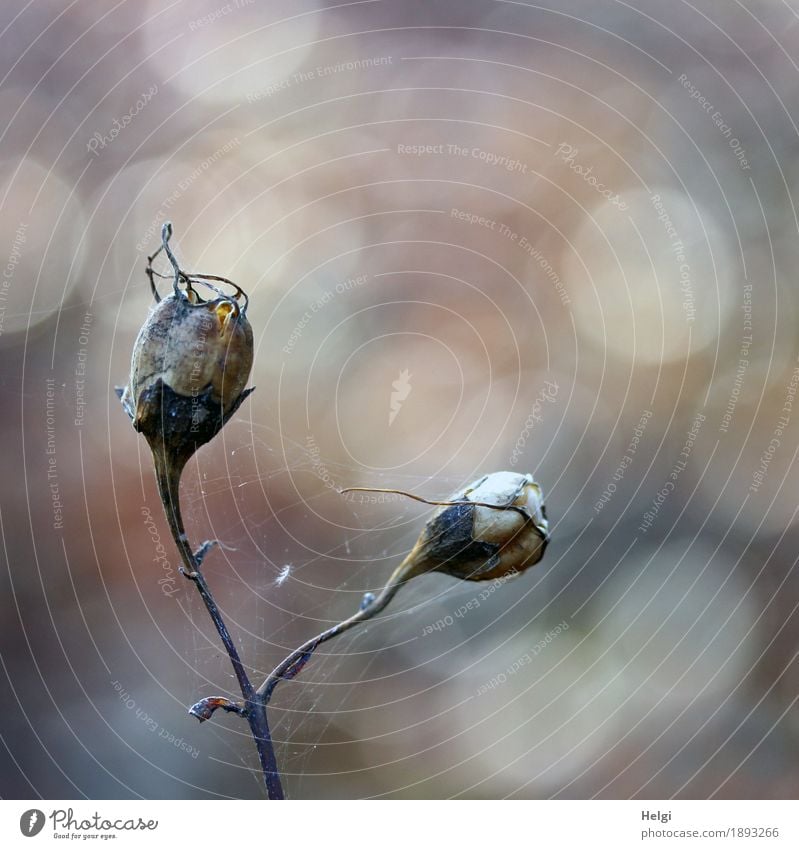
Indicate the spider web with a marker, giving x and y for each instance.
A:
(303, 710)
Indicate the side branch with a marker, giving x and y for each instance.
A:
(292, 665)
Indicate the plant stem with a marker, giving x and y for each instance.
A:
(168, 473)
(172, 448)
(292, 665)
(259, 726)
(169, 468)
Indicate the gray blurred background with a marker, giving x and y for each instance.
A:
(557, 238)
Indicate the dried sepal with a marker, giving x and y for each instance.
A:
(205, 708)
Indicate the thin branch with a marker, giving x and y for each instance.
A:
(168, 476)
(171, 448)
(292, 665)
(188, 278)
(254, 709)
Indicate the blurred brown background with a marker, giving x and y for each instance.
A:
(573, 225)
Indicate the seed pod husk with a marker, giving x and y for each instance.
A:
(494, 528)
(190, 364)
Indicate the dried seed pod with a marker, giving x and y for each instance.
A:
(190, 364)
(494, 528)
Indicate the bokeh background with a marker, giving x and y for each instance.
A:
(563, 236)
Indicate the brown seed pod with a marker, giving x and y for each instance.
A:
(496, 527)
(190, 364)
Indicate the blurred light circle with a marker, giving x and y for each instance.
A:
(657, 297)
(541, 710)
(229, 52)
(43, 223)
(678, 620)
(31, 114)
(738, 30)
(755, 467)
(202, 202)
